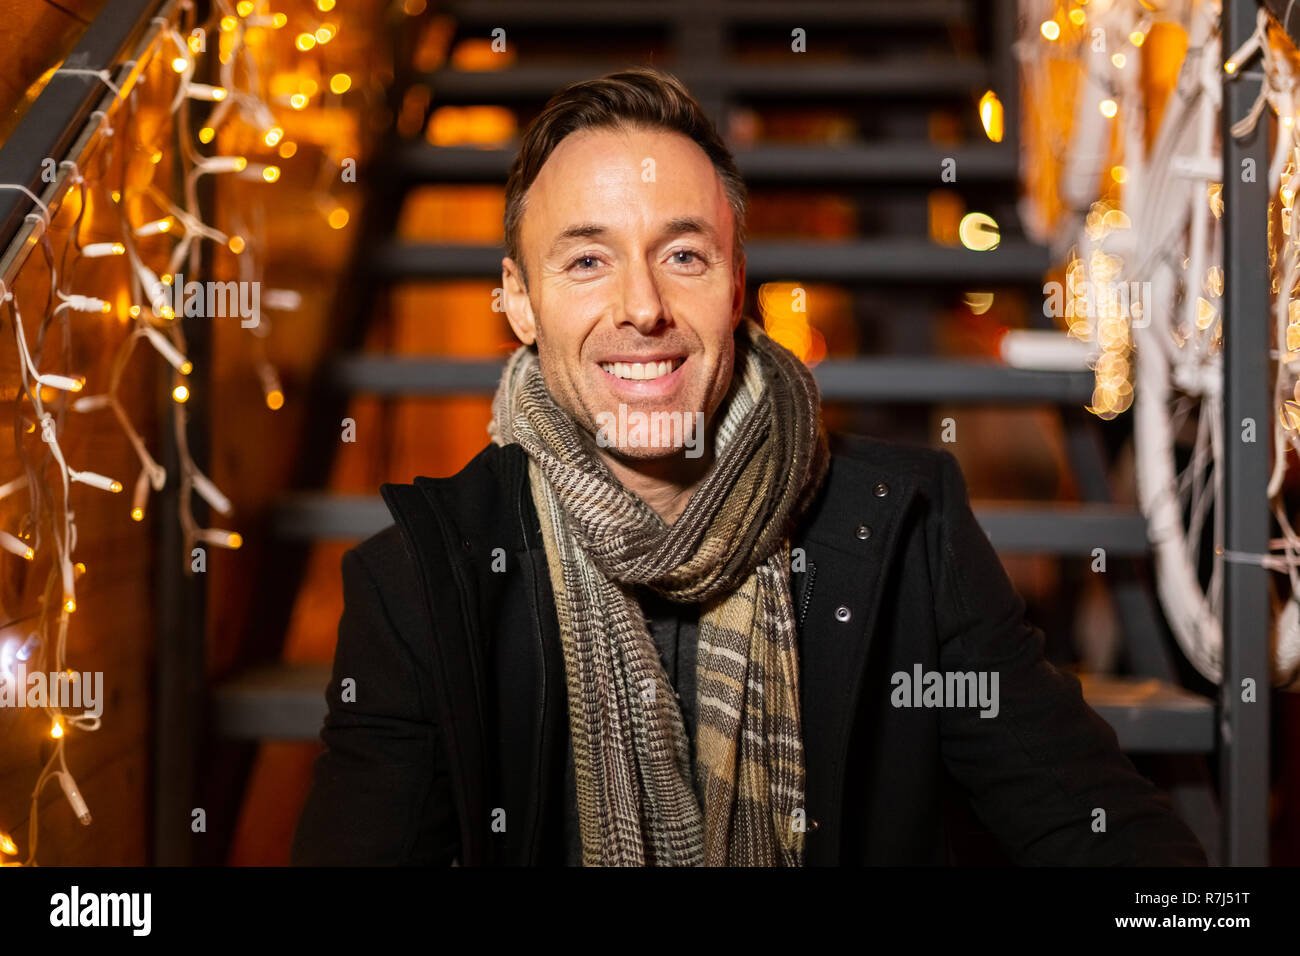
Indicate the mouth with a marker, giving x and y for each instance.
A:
(643, 371)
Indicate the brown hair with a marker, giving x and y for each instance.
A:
(638, 97)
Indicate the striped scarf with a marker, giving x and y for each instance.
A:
(729, 551)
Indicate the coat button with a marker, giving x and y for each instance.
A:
(863, 532)
(880, 489)
(842, 614)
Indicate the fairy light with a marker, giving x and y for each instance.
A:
(1050, 29)
(15, 545)
(154, 228)
(233, 99)
(340, 83)
(203, 91)
(97, 250)
(221, 538)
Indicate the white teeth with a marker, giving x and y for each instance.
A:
(638, 370)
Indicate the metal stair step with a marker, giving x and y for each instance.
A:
(274, 702)
(1068, 530)
(878, 261)
(906, 77)
(287, 702)
(883, 380)
(508, 13)
(885, 163)
(1152, 716)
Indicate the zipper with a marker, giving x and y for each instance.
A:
(810, 575)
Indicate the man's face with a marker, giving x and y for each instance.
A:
(633, 293)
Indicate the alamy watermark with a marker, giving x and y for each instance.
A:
(211, 299)
(1084, 298)
(66, 690)
(923, 688)
(659, 429)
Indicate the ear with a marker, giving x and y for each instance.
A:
(519, 308)
(738, 292)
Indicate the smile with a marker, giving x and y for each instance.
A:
(642, 371)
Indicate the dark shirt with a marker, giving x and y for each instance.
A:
(674, 629)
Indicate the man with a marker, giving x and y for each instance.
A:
(659, 620)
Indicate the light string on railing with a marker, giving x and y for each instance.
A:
(1141, 238)
(155, 318)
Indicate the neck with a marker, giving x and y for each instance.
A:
(665, 484)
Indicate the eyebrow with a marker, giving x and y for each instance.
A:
(679, 226)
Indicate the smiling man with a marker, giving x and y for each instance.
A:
(662, 618)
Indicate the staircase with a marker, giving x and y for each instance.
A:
(920, 56)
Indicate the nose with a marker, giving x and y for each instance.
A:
(643, 307)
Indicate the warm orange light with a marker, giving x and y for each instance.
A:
(234, 540)
(305, 41)
(275, 399)
(338, 218)
(991, 116)
(287, 149)
(273, 135)
(180, 64)
(137, 514)
(236, 244)
(7, 845)
(340, 83)
(206, 134)
(298, 101)
(181, 393)
(1108, 108)
(57, 730)
(271, 173)
(1050, 29)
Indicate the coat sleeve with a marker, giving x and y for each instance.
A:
(1046, 773)
(381, 793)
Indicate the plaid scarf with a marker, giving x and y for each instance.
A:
(729, 551)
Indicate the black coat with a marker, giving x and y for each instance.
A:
(452, 746)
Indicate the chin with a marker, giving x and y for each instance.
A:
(650, 434)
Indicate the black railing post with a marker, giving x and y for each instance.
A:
(1247, 415)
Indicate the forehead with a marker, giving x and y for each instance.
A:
(624, 179)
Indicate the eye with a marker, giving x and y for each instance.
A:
(584, 263)
(690, 257)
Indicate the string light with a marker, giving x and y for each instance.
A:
(150, 310)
